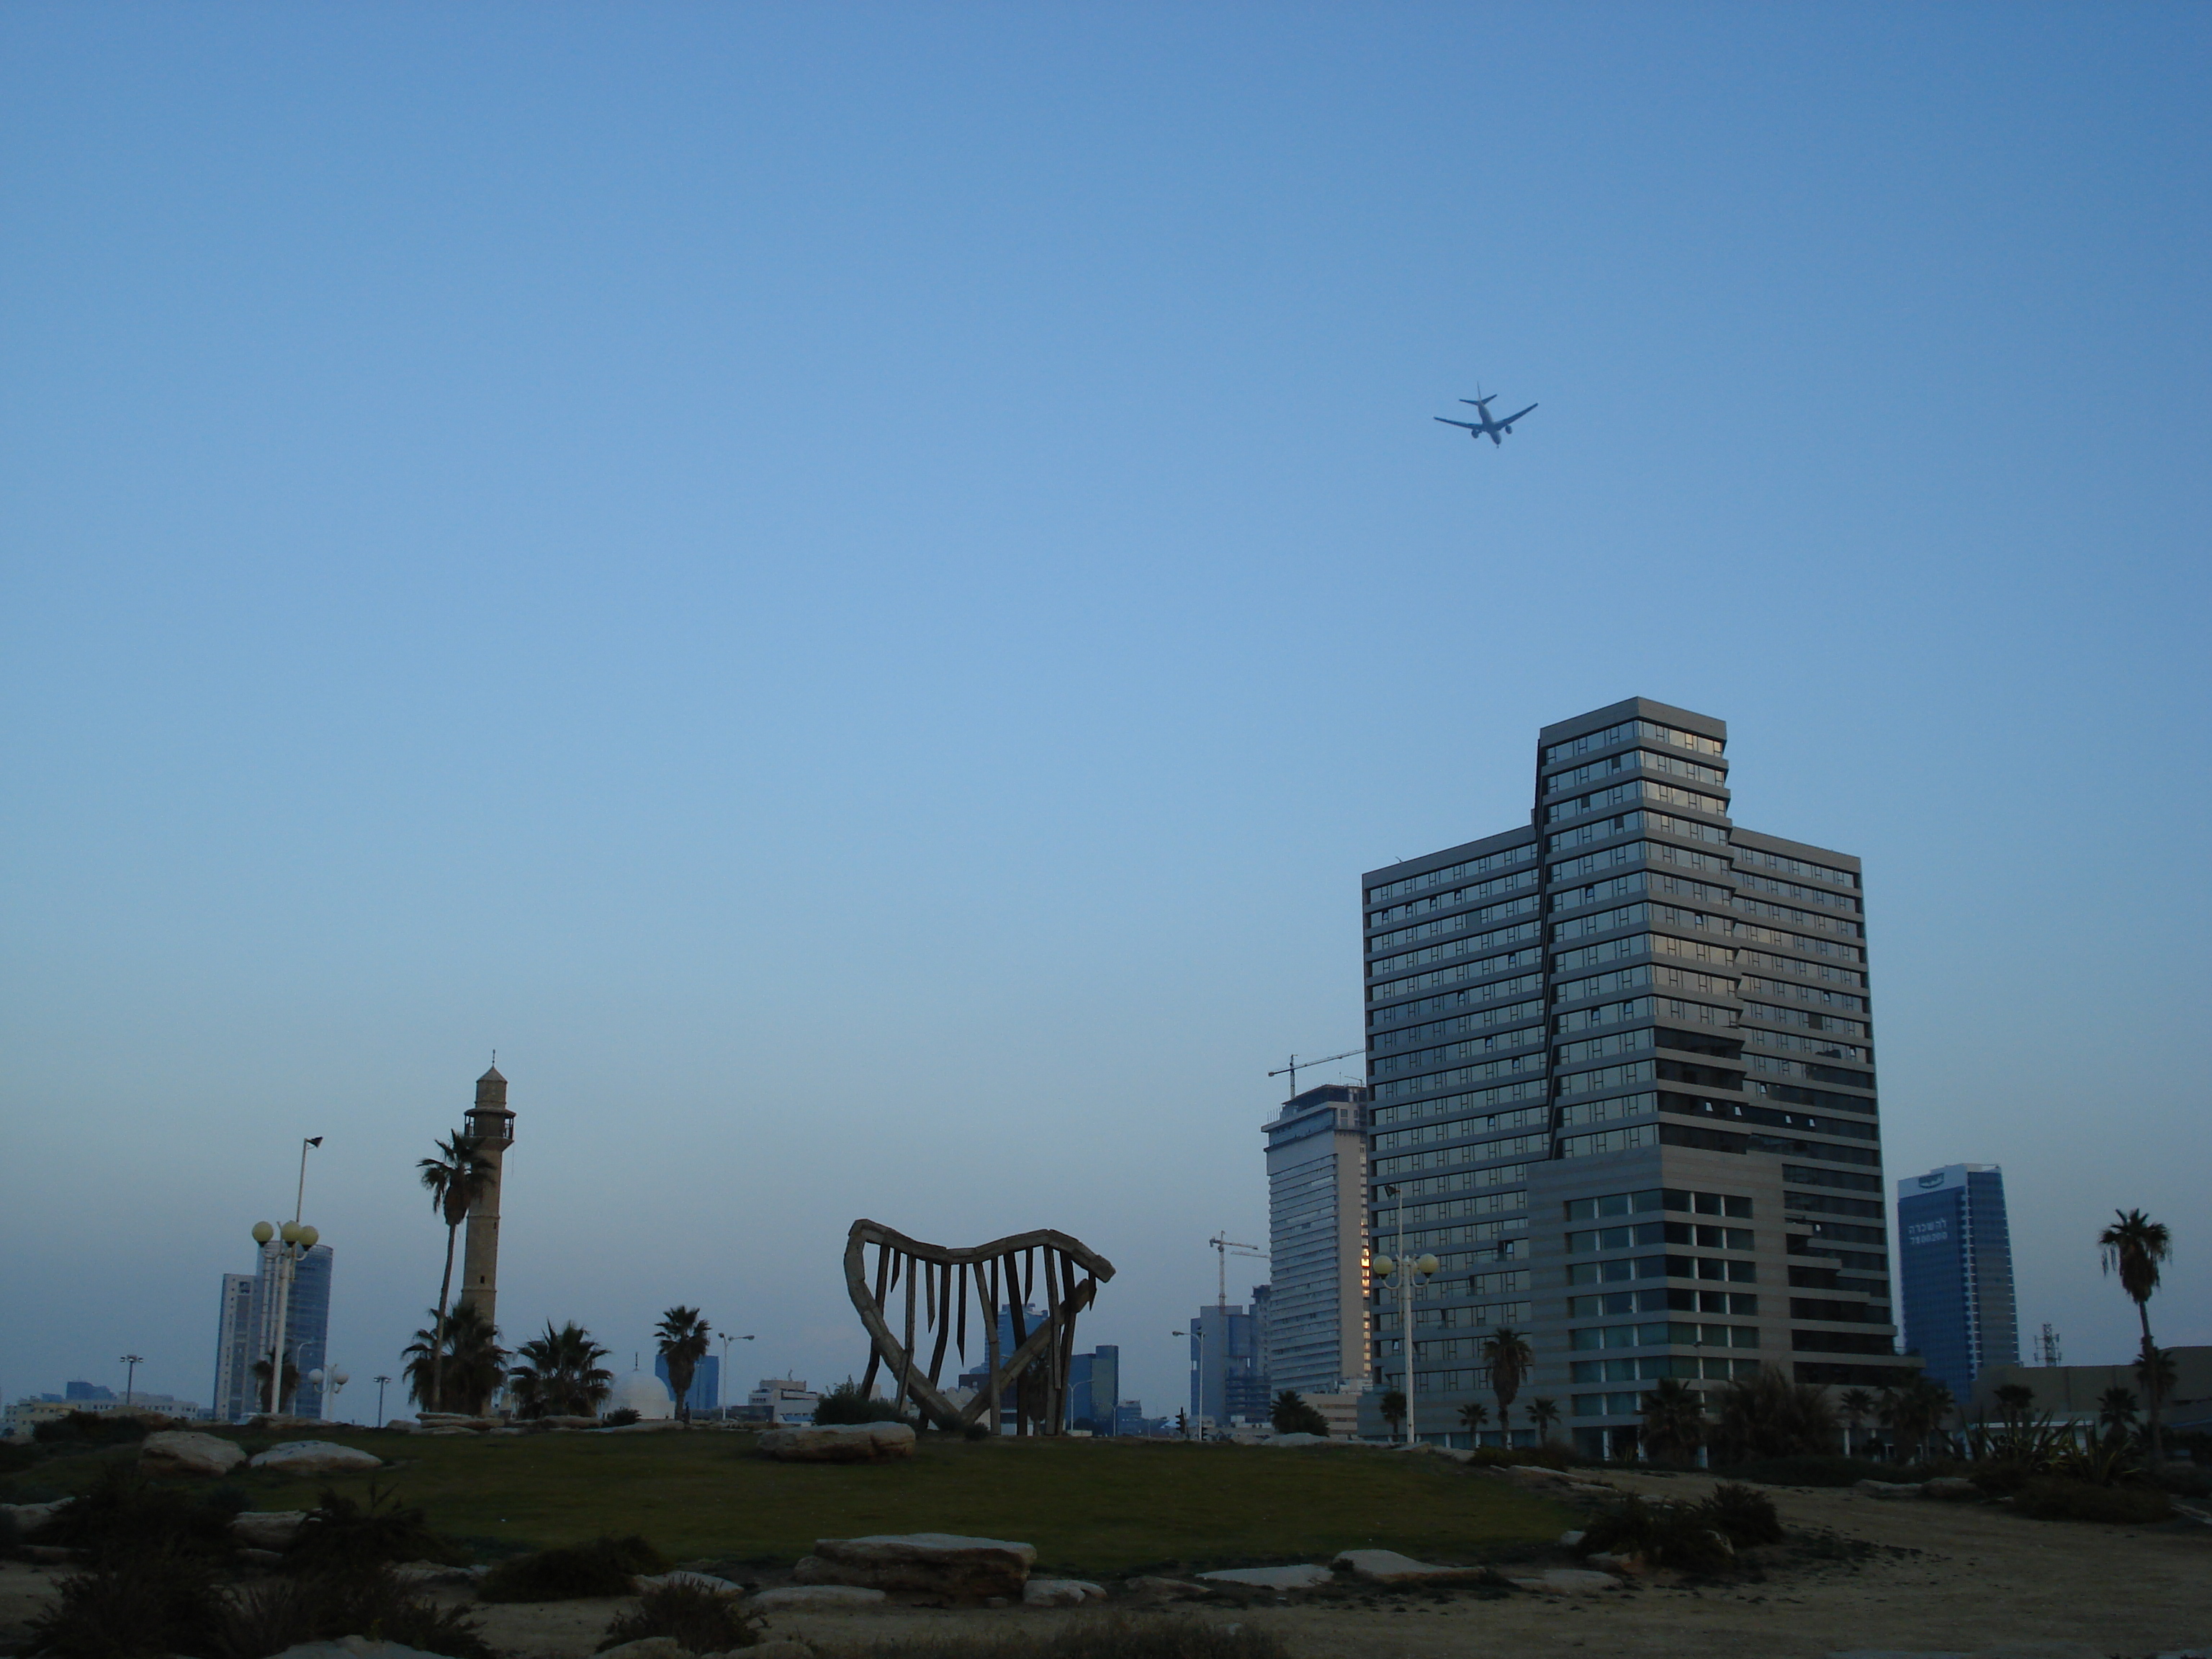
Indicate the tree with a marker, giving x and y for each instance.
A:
(1767, 1415)
(1292, 1415)
(682, 1344)
(1506, 1352)
(1545, 1415)
(1394, 1409)
(1673, 1416)
(1472, 1415)
(2135, 1247)
(2156, 1372)
(2014, 1402)
(2116, 1412)
(455, 1179)
(291, 1382)
(1857, 1406)
(465, 1373)
(561, 1375)
(1916, 1412)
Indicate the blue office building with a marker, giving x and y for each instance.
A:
(1954, 1260)
(706, 1394)
(1094, 1389)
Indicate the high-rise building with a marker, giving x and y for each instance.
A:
(247, 1333)
(705, 1393)
(1621, 1063)
(492, 1126)
(1094, 1387)
(1316, 1334)
(1955, 1262)
(1226, 1382)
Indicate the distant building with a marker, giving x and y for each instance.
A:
(25, 1414)
(978, 1369)
(1129, 1418)
(1954, 1265)
(246, 1331)
(1227, 1385)
(781, 1400)
(2071, 1393)
(81, 1390)
(1316, 1332)
(706, 1394)
(1094, 1389)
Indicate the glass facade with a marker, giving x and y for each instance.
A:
(1955, 1257)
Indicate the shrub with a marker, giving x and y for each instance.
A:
(2184, 1479)
(575, 1572)
(146, 1604)
(2078, 1500)
(322, 1607)
(688, 1614)
(1742, 1515)
(343, 1535)
(1808, 1471)
(1117, 1637)
(621, 1417)
(1664, 1535)
(123, 1515)
(1294, 1414)
(92, 1429)
(846, 1404)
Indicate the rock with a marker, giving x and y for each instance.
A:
(838, 1443)
(1570, 1580)
(815, 1598)
(255, 1556)
(1276, 1578)
(31, 1519)
(1952, 1489)
(1389, 1567)
(353, 1647)
(942, 1563)
(267, 1529)
(50, 1555)
(456, 1420)
(648, 1425)
(315, 1457)
(180, 1452)
(705, 1580)
(403, 1425)
(1886, 1488)
(565, 1422)
(1533, 1474)
(1164, 1590)
(777, 1647)
(420, 1573)
(1571, 1539)
(1060, 1592)
(648, 1647)
(1608, 1561)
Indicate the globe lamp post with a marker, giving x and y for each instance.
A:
(1404, 1276)
(296, 1239)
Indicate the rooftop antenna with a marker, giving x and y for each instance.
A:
(1294, 1062)
(1223, 1244)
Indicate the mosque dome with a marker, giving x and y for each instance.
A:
(645, 1393)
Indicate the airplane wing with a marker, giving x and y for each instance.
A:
(1469, 425)
(1509, 419)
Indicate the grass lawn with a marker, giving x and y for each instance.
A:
(1090, 1506)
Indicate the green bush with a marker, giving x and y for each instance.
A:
(322, 1607)
(1114, 1637)
(2077, 1500)
(575, 1572)
(146, 1604)
(126, 1515)
(342, 1536)
(1742, 1515)
(92, 1429)
(1810, 1471)
(1665, 1534)
(620, 1418)
(692, 1616)
(846, 1404)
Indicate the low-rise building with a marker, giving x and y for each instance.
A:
(781, 1400)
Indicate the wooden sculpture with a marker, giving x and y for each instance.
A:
(1003, 1274)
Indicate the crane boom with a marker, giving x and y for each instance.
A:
(1294, 1062)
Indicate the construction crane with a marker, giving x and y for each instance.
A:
(1293, 1068)
(1223, 1244)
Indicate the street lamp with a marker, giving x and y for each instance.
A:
(1404, 1276)
(379, 1382)
(297, 1239)
(134, 1361)
(337, 1379)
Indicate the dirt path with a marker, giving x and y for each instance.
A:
(1943, 1578)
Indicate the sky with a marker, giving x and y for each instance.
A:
(853, 587)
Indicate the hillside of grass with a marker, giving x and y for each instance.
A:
(1090, 1507)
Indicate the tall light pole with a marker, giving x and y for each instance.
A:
(1403, 1278)
(380, 1382)
(134, 1361)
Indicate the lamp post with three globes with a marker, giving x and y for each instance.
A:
(298, 1239)
(1405, 1276)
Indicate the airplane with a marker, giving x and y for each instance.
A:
(1495, 430)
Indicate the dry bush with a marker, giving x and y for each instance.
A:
(144, 1605)
(325, 1605)
(693, 1617)
(575, 1572)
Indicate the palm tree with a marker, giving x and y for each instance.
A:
(466, 1373)
(683, 1336)
(2155, 1371)
(1393, 1410)
(1506, 1352)
(455, 1179)
(1767, 1415)
(1545, 1415)
(2136, 1247)
(1916, 1412)
(1472, 1416)
(291, 1383)
(2014, 1402)
(1673, 1421)
(1857, 1406)
(562, 1375)
(2116, 1412)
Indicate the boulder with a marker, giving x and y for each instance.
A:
(1569, 1581)
(939, 1563)
(1887, 1488)
(704, 1581)
(837, 1442)
(1952, 1489)
(1389, 1567)
(417, 1575)
(815, 1598)
(1164, 1590)
(1060, 1592)
(564, 1422)
(254, 1556)
(644, 1426)
(1571, 1539)
(267, 1529)
(180, 1452)
(315, 1457)
(353, 1647)
(1297, 1577)
(1302, 1439)
(31, 1519)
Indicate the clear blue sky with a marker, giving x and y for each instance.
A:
(853, 586)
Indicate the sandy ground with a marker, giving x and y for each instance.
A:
(1956, 1578)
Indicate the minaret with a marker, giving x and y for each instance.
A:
(493, 1127)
